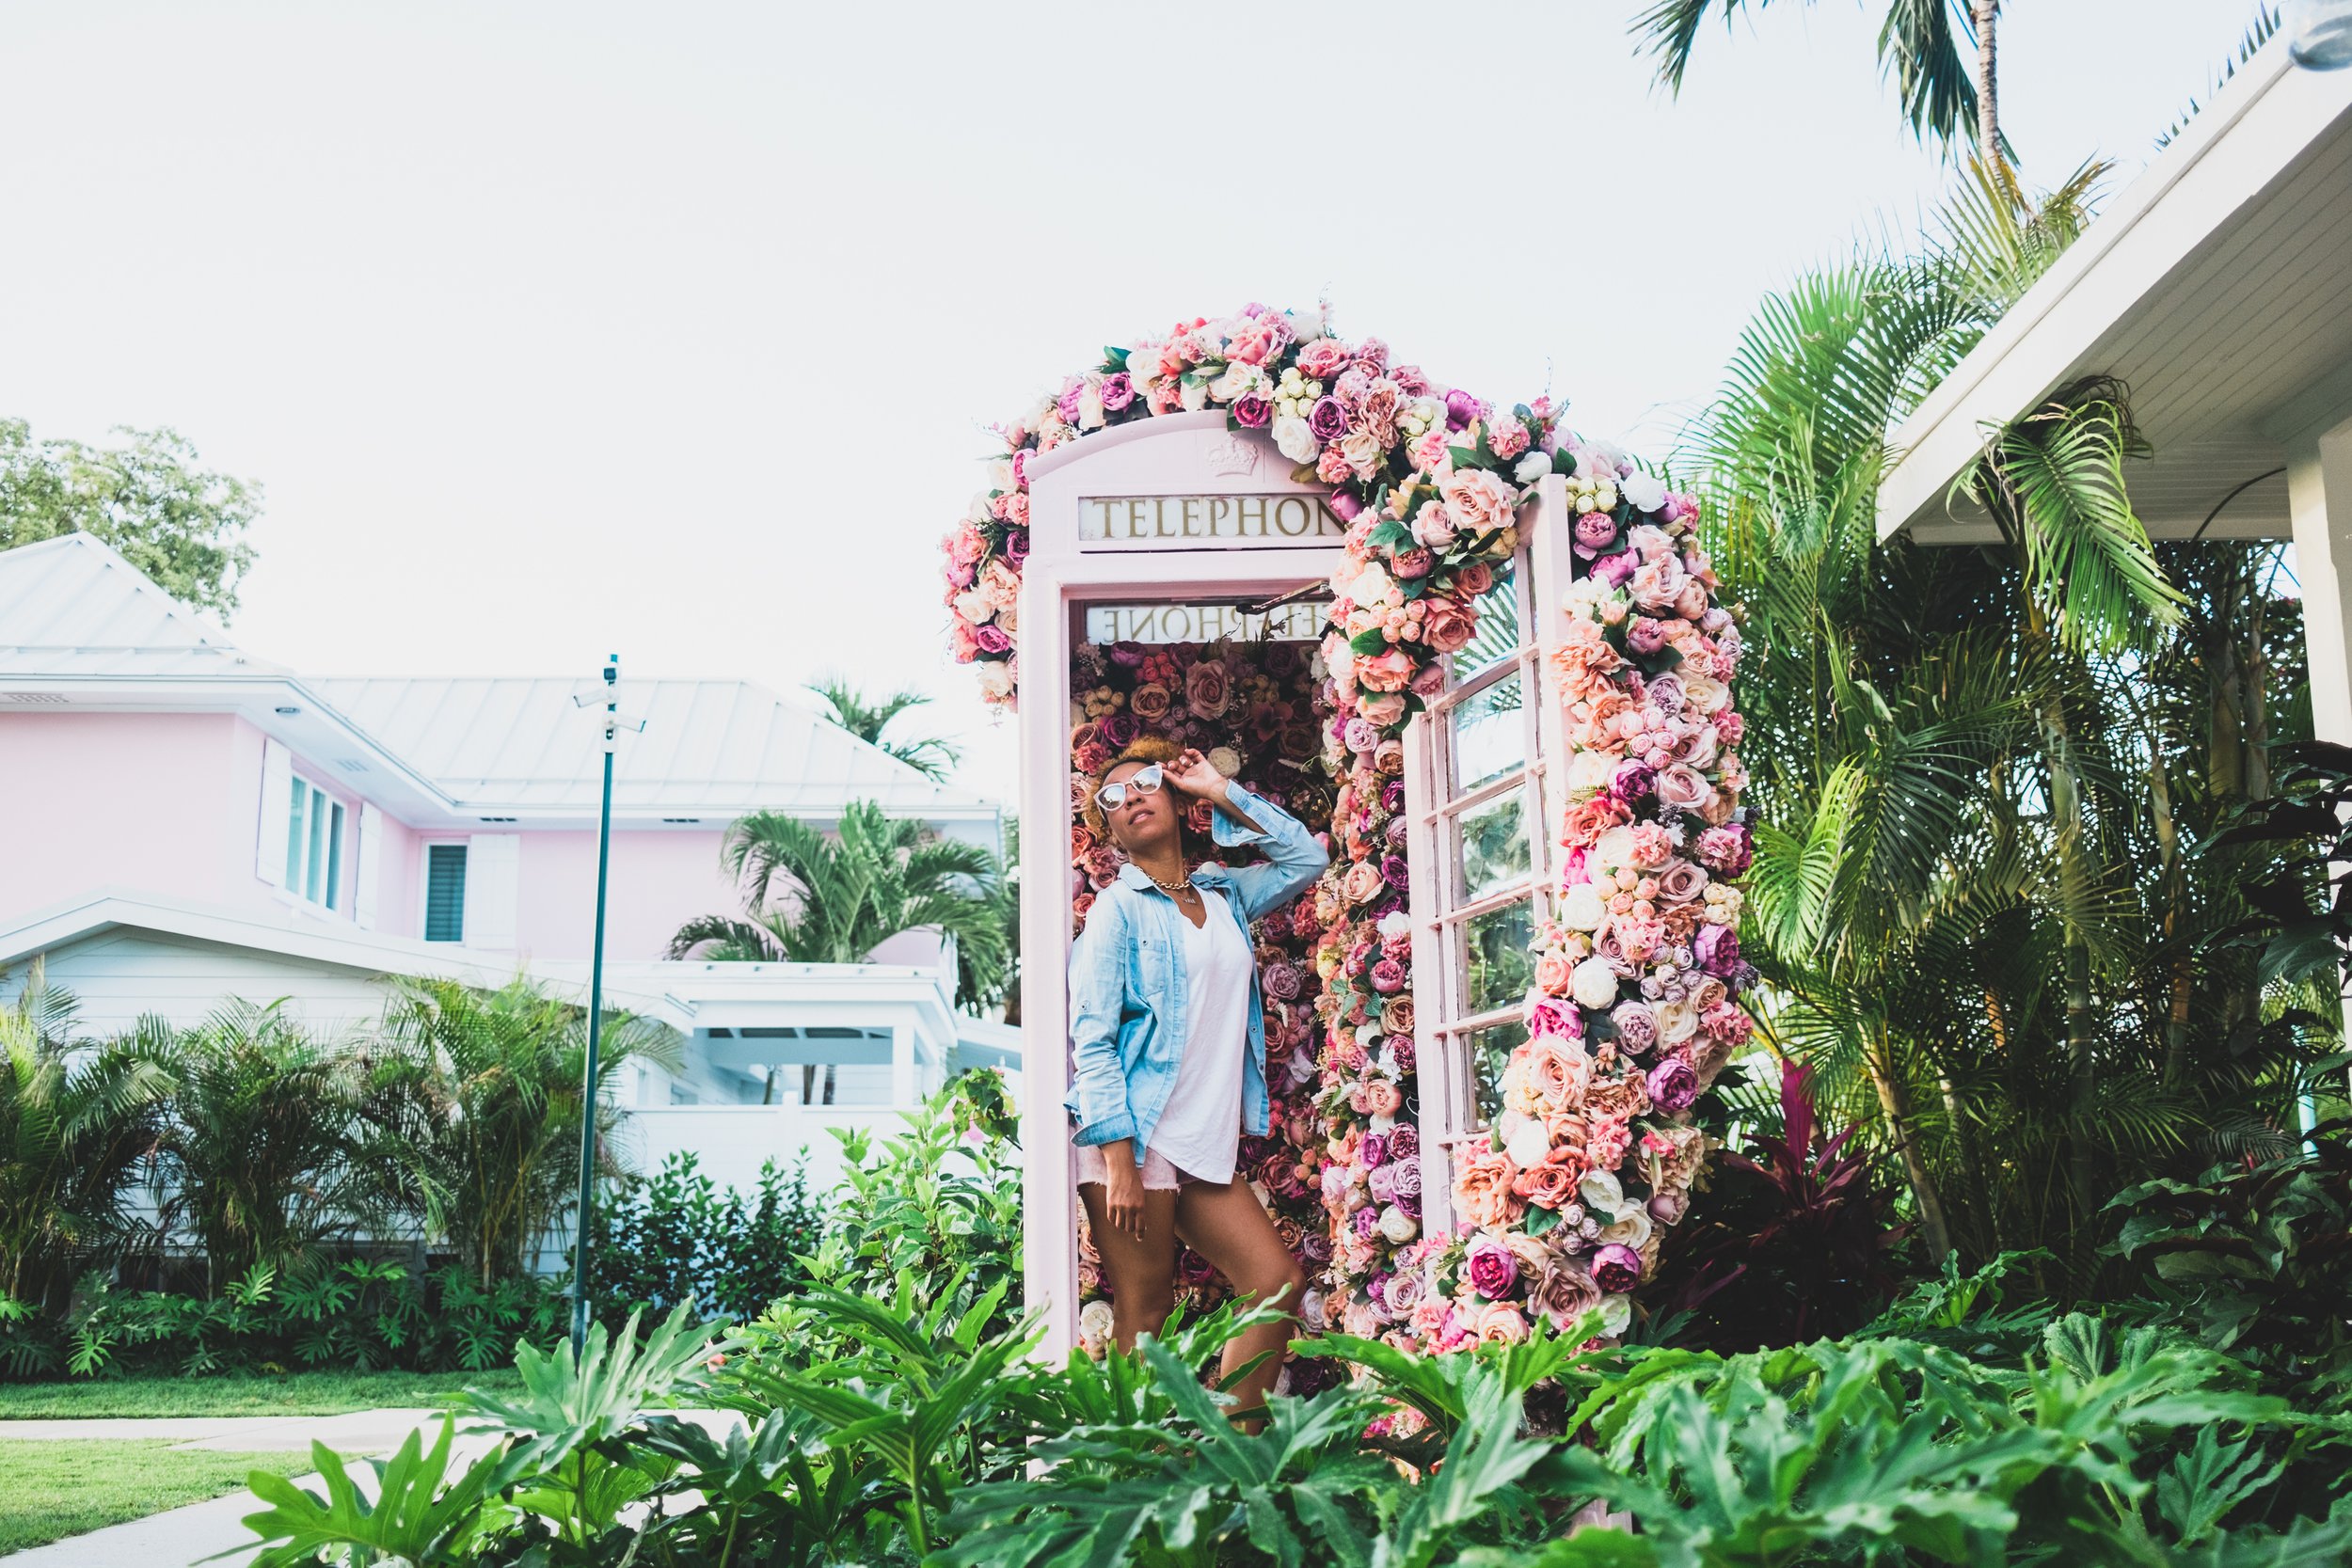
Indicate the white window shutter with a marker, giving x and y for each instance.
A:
(493, 890)
(370, 866)
(269, 859)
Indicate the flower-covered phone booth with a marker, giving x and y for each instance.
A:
(1488, 657)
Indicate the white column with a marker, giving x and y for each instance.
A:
(2319, 498)
(902, 1085)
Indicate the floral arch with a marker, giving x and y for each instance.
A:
(1561, 1202)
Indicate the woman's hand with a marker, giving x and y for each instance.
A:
(1123, 1192)
(1191, 773)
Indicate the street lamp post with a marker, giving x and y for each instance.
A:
(613, 723)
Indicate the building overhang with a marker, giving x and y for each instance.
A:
(2218, 286)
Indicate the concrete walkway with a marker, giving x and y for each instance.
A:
(199, 1530)
(190, 1536)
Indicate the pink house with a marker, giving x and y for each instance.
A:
(189, 823)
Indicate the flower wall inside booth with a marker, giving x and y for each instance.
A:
(1562, 1200)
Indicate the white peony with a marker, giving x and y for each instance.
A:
(1095, 1321)
(1582, 908)
(1396, 924)
(1647, 492)
(1295, 441)
(1528, 1144)
(1594, 983)
(1309, 325)
(1531, 467)
(1589, 773)
(1398, 1226)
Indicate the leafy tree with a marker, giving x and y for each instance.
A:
(841, 897)
(474, 1106)
(868, 719)
(180, 524)
(77, 1123)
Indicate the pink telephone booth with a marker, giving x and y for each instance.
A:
(1175, 532)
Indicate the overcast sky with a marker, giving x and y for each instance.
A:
(672, 329)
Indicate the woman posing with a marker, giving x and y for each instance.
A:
(1168, 1049)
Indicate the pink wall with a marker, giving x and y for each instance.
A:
(164, 803)
(661, 880)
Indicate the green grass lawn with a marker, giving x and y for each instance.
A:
(51, 1490)
(321, 1393)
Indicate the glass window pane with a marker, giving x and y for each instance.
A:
(1497, 965)
(293, 836)
(1498, 634)
(1489, 735)
(334, 855)
(315, 866)
(1485, 1053)
(1494, 845)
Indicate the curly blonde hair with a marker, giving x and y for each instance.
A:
(1146, 748)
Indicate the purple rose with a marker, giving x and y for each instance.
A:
(1127, 655)
(1461, 408)
(1616, 1268)
(1327, 418)
(1347, 505)
(1408, 1202)
(1673, 1085)
(1635, 782)
(1405, 1144)
(1397, 831)
(1118, 392)
(1493, 1270)
(1595, 531)
(1394, 872)
(1716, 950)
(991, 639)
(1281, 982)
(1392, 795)
(1315, 1246)
(1016, 547)
(1252, 410)
(1118, 730)
(1376, 1150)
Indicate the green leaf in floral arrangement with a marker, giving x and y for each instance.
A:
(1390, 534)
(1370, 640)
(1541, 1220)
(1115, 358)
(1564, 460)
(1464, 458)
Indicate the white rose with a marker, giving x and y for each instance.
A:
(1632, 1226)
(974, 606)
(1594, 983)
(1195, 396)
(977, 511)
(1647, 492)
(1397, 1225)
(1706, 694)
(1311, 1310)
(1528, 1144)
(1616, 1314)
(1614, 849)
(1095, 1321)
(1677, 1022)
(1309, 325)
(1090, 406)
(1396, 924)
(995, 680)
(1589, 773)
(1238, 381)
(1600, 1193)
(1531, 467)
(1294, 440)
(1582, 909)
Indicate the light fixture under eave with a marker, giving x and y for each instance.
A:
(287, 711)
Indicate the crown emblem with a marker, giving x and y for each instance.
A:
(1232, 454)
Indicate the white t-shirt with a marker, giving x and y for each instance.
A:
(1200, 1130)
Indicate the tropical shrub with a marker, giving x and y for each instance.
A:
(473, 1112)
(676, 1237)
(78, 1124)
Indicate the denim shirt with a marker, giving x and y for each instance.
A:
(1127, 1023)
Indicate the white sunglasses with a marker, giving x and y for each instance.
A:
(1143, 781)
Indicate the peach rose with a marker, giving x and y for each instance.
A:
(1552, 1184)
(1478, 500)
(1448, 625)
(1385, 671)
(1482, 1189)
(1552, 973)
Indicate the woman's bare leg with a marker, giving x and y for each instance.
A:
(1229, 1226)
(1142, 1273)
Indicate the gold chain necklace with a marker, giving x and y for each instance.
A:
(1181, 885)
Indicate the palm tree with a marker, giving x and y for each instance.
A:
(474, 1113)
(1943, 886)
(1944, 94)
(259, 1151)
(77, 1123)
(842, 896)
(867, 719)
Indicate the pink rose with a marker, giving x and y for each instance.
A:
(1150, 701)
(1433, 525)
(1479, 501)
(1389, 670)
(1381, 711)
(1681, 882)
(1681, 788)
(1448, 624)
(1206, 689)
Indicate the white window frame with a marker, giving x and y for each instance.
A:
(1434, 809)
(317, 825)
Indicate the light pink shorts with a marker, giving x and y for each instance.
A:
(1159, 1174)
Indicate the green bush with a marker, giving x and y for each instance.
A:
(677, 1237)
(358, 1314)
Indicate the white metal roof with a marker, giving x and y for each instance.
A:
(83, 629)
(74, 606)
(2217, 286)
(730, 746)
